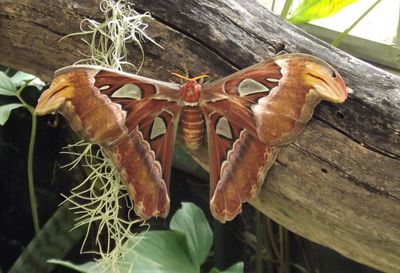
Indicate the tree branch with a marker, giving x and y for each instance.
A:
(338, 184)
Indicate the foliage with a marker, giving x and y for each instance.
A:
(309, 10)
(13, 87)
(182, 249)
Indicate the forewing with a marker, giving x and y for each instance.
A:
(234, 96)
(274, 99)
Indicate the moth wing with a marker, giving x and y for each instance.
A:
(239, 161)
(144, 154)
(274, 99)
(238, 165)
(253, 112)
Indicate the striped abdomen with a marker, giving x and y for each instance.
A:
(192, 126)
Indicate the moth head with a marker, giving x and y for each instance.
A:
(191, 91)
(54, 98)
(325, 81)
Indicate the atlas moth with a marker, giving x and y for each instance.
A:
(247, 117)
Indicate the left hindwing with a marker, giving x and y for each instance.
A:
(134, 119)
(152, 113)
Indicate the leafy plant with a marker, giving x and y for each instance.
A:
(309, 10)
(13, 87)
(182, 249)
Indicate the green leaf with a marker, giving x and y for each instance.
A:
(157, 252)
(160, 252)
(85, 268)
(191, 221)
(20, 78)
(309, 10)
(7, 87)
(236, 268)
(166, 251)
(5, 111)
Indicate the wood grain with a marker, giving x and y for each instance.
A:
(338, 184)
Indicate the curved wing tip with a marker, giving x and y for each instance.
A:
(145, 215)
(224, 215)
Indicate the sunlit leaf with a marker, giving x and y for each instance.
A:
(309, 10)
(21, 78)
(7, 87)
(5, 111)
(191, 221)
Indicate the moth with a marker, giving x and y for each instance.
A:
(247, 117)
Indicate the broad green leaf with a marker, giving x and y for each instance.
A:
(21, 78)
(191, 221)
(5, 111)
(160, 252)
(236, 268)
(157, 252)
(309, 10)
(7, 87)
(85, 268)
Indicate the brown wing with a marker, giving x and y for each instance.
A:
(133, 118)
(238, 165)
(265, 106)
(145, 155)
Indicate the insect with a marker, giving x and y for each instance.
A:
(246, 116)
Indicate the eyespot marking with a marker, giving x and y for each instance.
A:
(273, 80)
(131, 91)
(159, 128)
(223, 128)
(104, 87)
(250, 86)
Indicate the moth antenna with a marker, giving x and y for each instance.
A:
(180, 76)
(189, 79)
(199, 77)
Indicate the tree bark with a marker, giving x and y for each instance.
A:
(337, 185)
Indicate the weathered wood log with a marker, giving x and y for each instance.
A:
(338, 184)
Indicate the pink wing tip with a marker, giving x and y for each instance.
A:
(222, 212)
(150, 205)
(147, 212)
